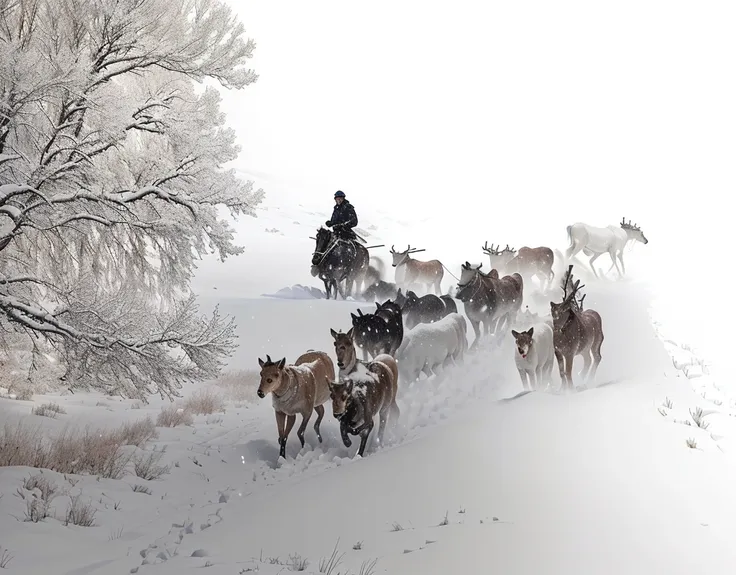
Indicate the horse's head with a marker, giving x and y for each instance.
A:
(321, 241)
(271, 374)
(468, 273)
(633, 231)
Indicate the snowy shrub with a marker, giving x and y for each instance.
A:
(204, 402)
(38, 492)
(91, 451)
(141, 489)
(174, 416)
(48, 410)
(79, 513)
(5, 558)
(147, 465)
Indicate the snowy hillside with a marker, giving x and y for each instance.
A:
(632, 476)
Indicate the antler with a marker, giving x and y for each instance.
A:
(491, 251)
(393, 251)
(625, 224)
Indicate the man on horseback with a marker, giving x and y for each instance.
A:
(343, 218)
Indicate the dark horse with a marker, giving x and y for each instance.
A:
(336, 259)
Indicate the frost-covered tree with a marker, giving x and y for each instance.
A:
(111, 185)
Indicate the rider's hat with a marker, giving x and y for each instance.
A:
(339, 194)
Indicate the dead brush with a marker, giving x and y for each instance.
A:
(38, 491)
(699, 418)
(174, 416)
(48, 410)
(73, 451)
(147, 466)
(205, 402)
(80, 513)
(5, 558)
(297, 562)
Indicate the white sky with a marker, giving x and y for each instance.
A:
(501, 105)
(545, 113)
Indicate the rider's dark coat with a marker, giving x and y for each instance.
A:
(344, 214)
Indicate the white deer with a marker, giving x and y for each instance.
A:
(595, 242)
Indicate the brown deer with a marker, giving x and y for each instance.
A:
(365, 389)
(298, 388)
(576, 332)
(534, 262)
(415, 271)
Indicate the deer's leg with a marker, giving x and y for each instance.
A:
(569, 361)
(621, 259)
(561, 366)
(306, 416)
(344, 433)
(320, 409)
(280, 425)
(522, 375)
(587, 360)
(290, 420)
(592, 259)
(365, 432)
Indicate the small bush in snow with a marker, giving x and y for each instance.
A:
(297, 563)
(79, 513)
(92, 451)
(5, 558)
(141, 489)
(41, 491)
(328, 565)
(368, 567)
(396, 526)
(691, 443)
(205, 402)
(147, 466)
(445, 521)
(699, 418)
(667, 403)
(358, 546)
(174, 416)
(48, 410)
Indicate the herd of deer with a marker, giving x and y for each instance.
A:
(408, 335)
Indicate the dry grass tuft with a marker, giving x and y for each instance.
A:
(5, 558)
(91, 451)
(38, 491)
(148, 466)
(239, 386)
(174, 416)
(79, 513)
(48, 410)
(205, 402)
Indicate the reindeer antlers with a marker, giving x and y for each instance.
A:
(491, 251)
(625, 224)
(569, 296)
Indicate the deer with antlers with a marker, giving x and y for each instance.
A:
(529, 262)
(611, 240)
(575, 332)
(499, 257)
(410, 271)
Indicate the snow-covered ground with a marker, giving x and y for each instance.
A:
(619, 478)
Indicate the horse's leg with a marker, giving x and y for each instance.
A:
(476, 329)
(383, 416)
(280, 425)
(320, 409)
(621, 258)
(306, 416)
(365, 432)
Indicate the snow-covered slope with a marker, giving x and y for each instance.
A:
(478, 478)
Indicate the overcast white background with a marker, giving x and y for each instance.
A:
(541, 112)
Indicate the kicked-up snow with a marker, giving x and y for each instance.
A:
(630, 475)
